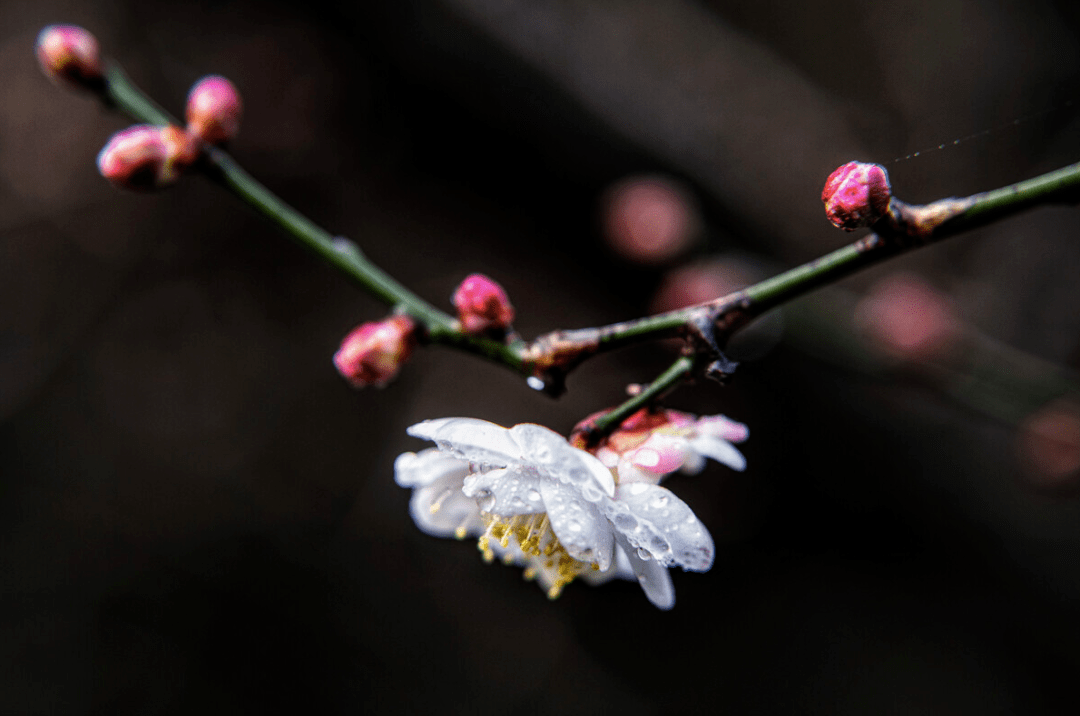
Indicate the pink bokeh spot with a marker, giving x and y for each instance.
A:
(649, 219)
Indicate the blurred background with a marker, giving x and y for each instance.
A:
(198, 515)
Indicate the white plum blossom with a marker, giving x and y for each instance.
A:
(535, 500)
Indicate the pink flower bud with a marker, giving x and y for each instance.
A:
(482, 305)
(181, 151)
(214, 109)
(856, 194)
(69, 54)
(136, 158)
(373, 353)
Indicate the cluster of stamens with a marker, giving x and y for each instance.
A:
(532, 533)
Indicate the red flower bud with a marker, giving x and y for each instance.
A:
(373, 353)
(135, 158)
(482, 305)
(214, 109)
(69, 54)
(856, 194)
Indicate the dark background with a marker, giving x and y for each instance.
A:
(198, 516)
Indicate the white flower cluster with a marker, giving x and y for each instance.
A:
(534, 500)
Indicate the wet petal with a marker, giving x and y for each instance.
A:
(425, 467)
(653, 519)
(505, 492)
(652, 576)
(629, 472)
(582, 530)
(720, 450)
(441, 509)
(549, 451)
(471, 439)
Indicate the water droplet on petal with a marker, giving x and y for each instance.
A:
(534, 495)
(625, 521)
(643, 553)
(660, 544)
(573, 526)
(659, 501)
(577, 475)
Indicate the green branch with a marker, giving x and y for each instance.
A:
(552, 356)
(121, 93)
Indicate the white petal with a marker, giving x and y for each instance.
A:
(549, 451)
(470, 439)
(653, 519)
(505, 492)
(582, 530)
(652, 576)
(629, 472)
(720, 450)
(722, 427)
(453, 511)
(418, 469)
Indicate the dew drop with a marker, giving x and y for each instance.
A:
(660, 544)
(577, 475)
(590, 493)
(535, 383)
(637, 488)
(625, 522)
(643, 553)
(533, 495)
(573, 526)
(659, 501)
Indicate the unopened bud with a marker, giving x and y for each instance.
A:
(69, 54)
(482, 305)
(214, 109)
(856, 194)
(181, 151)
(136, 158)
(373, 353)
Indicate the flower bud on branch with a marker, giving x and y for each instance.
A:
(856, 194)
(213, 110)
(373, 353)
(482, 305)
(136, 158)
(68, 54)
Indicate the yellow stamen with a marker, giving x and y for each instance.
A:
(436, 504)
(534, 536)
